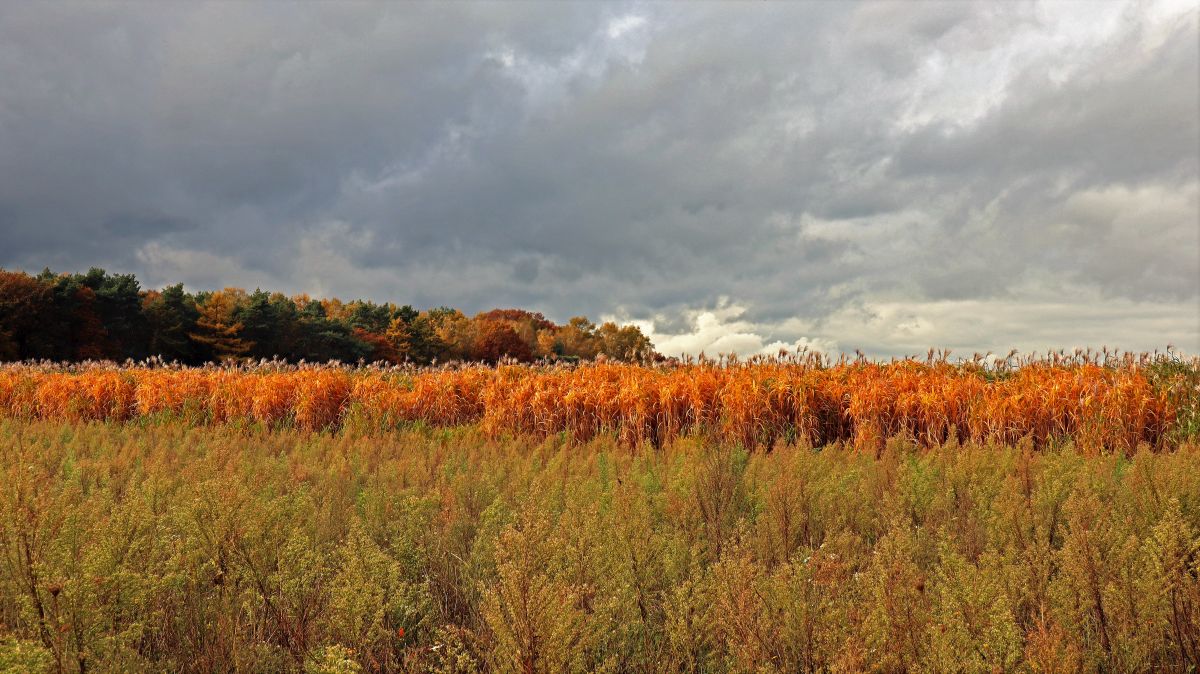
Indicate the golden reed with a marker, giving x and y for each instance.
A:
(754, 404)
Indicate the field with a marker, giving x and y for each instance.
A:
(790, 515)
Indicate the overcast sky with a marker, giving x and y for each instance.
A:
(882, 176)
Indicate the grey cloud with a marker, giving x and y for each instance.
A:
(796, 160)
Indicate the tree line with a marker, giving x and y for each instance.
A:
(102, 316)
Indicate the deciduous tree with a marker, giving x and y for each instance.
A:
(216, 327)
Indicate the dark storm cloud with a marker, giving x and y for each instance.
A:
(845, 173)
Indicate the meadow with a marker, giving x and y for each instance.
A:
(783, 515)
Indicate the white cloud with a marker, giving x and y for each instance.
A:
(721, 330)
(880, 327)
(621, 25)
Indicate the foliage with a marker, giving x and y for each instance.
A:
(169, 547)
(19, 656)
(216, 327)
(97, 315)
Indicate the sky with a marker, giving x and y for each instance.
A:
(742, 178)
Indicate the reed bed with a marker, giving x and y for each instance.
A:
(1097, 401)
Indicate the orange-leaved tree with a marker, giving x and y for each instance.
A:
(216, 327)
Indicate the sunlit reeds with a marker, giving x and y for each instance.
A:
(1114, 403)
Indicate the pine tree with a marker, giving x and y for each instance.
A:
(171, 316)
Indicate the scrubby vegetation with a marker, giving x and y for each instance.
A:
(156, 546)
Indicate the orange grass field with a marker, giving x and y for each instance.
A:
(1113, 403)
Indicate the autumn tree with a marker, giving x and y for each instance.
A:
(398, 337)
(623, 343)
(392, 342)
(527, 324)
(549, 345)
(578, 338)
(455, 333)
(378, 347)
(498, 340)
(216, 327)
(25, 304)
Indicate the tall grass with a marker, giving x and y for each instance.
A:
(169, 547)
(1112, 403)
